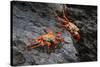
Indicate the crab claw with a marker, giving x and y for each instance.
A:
(77, 37)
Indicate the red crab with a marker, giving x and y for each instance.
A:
(47, 40)
(68, 25)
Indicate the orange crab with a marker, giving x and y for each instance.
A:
(47, 40)
(68, 25)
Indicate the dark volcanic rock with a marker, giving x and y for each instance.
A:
(18, 58)
(85, 18)
(35, 17)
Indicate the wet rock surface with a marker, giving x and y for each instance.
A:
(35, 17)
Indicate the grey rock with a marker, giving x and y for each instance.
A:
(18, 58)
(35, 17)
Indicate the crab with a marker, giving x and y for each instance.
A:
(68, 25)
(48, 39)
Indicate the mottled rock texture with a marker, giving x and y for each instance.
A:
(28, 17)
